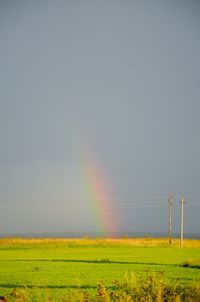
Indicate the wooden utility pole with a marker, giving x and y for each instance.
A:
(170, 217)
(182, 220)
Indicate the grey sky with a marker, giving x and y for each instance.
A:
(121, 77)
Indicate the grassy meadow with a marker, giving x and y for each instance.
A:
(41, 268)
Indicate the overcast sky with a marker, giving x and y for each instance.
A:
(109, 84)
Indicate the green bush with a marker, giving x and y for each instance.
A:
(153, 288)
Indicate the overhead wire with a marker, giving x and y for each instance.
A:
(17, 202)
(82, 198)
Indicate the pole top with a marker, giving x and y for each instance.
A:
(182, 199)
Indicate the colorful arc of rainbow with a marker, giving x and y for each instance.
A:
(98, 194)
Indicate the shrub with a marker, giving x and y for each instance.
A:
(153, 288)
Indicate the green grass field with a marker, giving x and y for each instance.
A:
(61, 265)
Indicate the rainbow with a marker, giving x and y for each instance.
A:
(98, 193)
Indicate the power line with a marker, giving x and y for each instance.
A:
(63, 206)
(83, 198)
(122, 202)
(194, 204)
(193, 196)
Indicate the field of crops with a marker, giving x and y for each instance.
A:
(61, 266)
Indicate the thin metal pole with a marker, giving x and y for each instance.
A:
(170, 217)
(182, 220)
